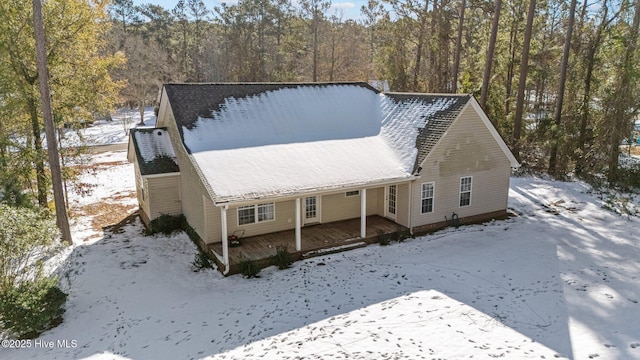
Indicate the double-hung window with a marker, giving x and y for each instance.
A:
(427, 197)
(465, 191)
(252, 214)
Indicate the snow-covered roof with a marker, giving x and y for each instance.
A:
(154, 151)
(282, 139)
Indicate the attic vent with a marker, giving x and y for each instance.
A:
(159, 133)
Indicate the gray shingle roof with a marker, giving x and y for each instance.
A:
(152, 156)
(189, 101)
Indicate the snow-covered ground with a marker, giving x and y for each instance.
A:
(558, 280)
(116, 131)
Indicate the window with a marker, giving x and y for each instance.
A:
(427, 197)
(465, 191)
(266, 212)
(311, 207)
(352, 193)
(252, 214)
(246, 215)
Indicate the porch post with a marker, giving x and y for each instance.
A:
(363, 213)
(298, 231)
(225, 239)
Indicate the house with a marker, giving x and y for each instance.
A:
(303, 162)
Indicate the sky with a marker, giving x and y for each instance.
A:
(350, 9)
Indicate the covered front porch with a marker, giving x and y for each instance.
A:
(314, 239)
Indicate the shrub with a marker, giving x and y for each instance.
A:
(282, 259)
(404, 235)
(26, 237)
(398, 236)
(32, 307)
(249, 268)
(384, 238)
(167, 224)
(201, 262)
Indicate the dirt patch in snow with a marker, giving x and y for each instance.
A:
(104, 214)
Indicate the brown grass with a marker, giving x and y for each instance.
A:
(94, 167)
(635, 150)
(105, 214)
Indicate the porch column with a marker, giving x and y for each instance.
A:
(363, 213)
(225, 239)
(298, 231)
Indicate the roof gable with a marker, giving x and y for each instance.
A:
(154, 152)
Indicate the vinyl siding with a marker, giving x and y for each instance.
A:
(212, 221)
(402, 201)
(164, 196)
(340, 207)
(467, 149)
(191, 187)
(374, 197)
(141, 185)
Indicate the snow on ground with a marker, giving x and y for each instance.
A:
(116, 131)
(559, 280)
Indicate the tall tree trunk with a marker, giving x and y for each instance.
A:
(585, 106)
(421, 41)
(36, 132)
(315, 47)
(456, 61)
(623, 98)
(524, 70)
(490, 51)
(557, 115)
(52, 145)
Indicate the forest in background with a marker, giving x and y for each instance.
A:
(558, 78)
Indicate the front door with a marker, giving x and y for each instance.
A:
(312, 209)
(391, 201)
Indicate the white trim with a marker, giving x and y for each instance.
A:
(298, 225)
(460, 190)
(151, 176)
(494, 132)
(410, 216)
(225, 239)
(363, 213)
(433, 197)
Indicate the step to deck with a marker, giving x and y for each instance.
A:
(334, 250)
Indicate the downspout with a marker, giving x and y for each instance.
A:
(410, 207)
(225, 239)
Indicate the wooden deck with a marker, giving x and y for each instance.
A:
(314, 238)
